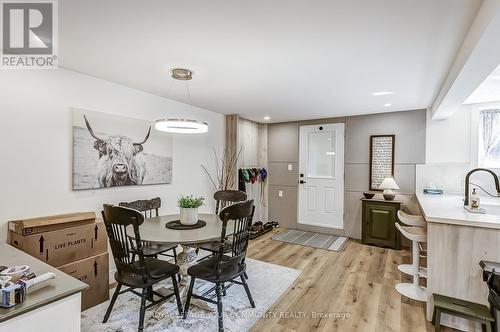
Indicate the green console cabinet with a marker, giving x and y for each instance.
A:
(378, 226)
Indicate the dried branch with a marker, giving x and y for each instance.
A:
(225, 170)
(209, 176)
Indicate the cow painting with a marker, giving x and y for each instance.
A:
(120, 159)
(114, 151)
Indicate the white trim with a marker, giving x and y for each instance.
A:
(474, 132)
(339, 172)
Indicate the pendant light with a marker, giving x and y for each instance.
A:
(182, 126)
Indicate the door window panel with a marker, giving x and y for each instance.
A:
(321, 154)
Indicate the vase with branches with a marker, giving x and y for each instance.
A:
(225, 170)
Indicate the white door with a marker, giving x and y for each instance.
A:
(321, 171)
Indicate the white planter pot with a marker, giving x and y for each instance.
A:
(189, 216)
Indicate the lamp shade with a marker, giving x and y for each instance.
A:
(389, 183)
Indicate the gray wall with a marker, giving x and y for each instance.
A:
(283, 148)
(283, 140)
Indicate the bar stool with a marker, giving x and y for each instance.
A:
(417, 221)
(413, 290)
(411, 220)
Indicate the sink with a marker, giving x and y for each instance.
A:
(491, 208)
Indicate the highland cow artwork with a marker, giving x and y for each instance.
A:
(111, 150)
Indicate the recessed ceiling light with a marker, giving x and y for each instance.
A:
(382, 93)
(387, 105)
(267, 118)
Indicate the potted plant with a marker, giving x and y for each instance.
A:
(189, 209)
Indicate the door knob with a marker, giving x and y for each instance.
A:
(302, 181)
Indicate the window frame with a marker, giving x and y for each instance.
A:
(474, 134)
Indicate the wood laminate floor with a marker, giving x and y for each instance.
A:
(357, 282)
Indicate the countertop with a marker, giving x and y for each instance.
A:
(448, 209)
(53, 290)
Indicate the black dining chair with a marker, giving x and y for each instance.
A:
(147, 207)
(142, 273)
(223, 270)
(222, 198)
(225, 198)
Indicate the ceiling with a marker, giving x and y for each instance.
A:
(290, 60)
(488, 91)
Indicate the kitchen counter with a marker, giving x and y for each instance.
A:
(457, 240)
(41, 296)
(448, 209)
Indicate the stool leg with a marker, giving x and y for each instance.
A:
(416, 263)
(437, 323)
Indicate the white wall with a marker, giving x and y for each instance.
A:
(448, 152)
(448, 141)
(36, 144)
(452, 152)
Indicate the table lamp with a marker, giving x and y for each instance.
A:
(388, 185)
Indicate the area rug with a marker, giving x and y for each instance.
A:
(267, 283)
(311, 239)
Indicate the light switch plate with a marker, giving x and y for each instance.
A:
(290, 167)
(280, 193)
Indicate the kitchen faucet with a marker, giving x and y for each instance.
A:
(495, 177)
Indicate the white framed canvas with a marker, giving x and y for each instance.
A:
(111, 150)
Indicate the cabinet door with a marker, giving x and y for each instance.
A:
(378, 227)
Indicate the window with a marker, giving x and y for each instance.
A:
(489, 138)
(321, 157)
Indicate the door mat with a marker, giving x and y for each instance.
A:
(311, 239)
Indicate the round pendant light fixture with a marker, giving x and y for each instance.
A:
(182, 126)
(182, 74)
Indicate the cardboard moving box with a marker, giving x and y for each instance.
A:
(94, 271)
(50, 223)
(75, 243)
(63, 246)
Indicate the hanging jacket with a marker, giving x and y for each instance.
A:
(253, 175)
(245, 175)
(241, 181)
(263, 174)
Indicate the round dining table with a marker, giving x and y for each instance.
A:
(154, 230)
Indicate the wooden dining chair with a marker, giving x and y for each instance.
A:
(224, 269)
(222, 198)
(142, 273)
(225, 198)
(149, 208)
